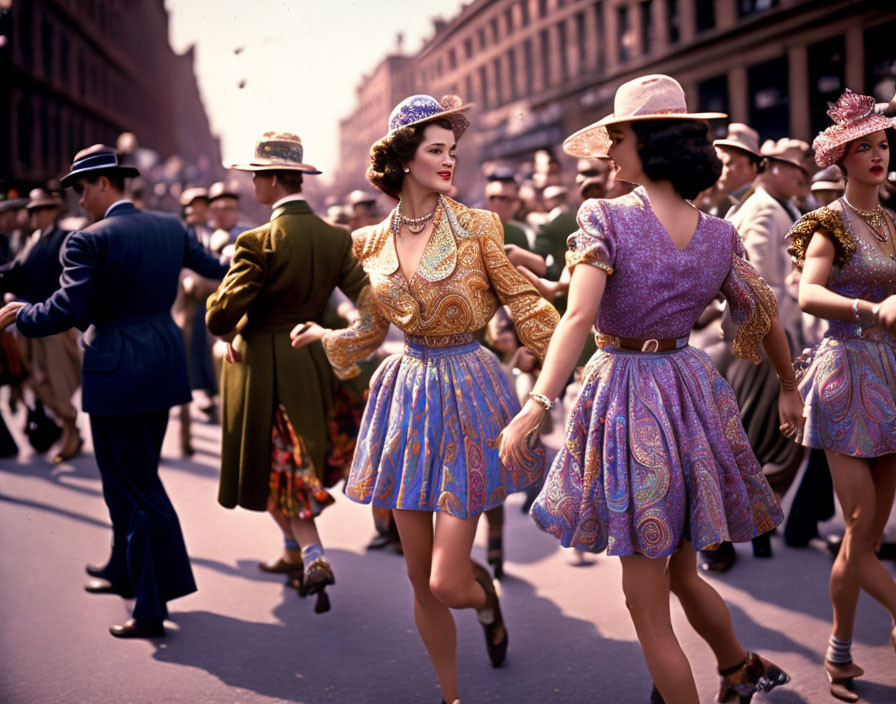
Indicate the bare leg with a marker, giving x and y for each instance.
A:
(305, 531)
(434, 620)
(706, 611)
(645, 583)
(292, 556)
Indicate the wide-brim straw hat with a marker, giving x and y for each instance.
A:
(418, 109)
(278, 151)
(96, 160)
(787, 150)
(742, 137)
(854, 116)
(193, 193)
(653, 97)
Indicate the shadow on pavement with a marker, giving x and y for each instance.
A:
(55, 509)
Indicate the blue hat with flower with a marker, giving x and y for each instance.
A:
(425, 108)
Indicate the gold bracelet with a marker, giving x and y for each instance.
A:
(541, 400)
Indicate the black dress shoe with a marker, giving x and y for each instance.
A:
(104, 586)
(132, 628)
(721, 559)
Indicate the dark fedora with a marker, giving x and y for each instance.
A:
(96, 161)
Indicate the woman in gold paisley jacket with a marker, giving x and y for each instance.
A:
(428, 440)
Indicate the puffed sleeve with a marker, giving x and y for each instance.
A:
(241, 283)
(533, 317)
(828, 222)
(752, 303)
(593, 242)
(348, 346)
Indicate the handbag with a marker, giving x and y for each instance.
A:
(41, 430)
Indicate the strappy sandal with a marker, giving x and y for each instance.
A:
(843, 686)
(497, 651)
(757, 675)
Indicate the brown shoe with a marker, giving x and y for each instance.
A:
(741, 682)
(281, 566)
(72, 449)
(842, 676)
(132, 628)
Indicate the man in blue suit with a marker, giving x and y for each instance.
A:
(118, 284)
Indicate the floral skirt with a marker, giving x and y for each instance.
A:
(295, 488)
(849, 390)
(428, 438)
(654, 453)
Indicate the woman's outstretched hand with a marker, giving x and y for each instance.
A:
(9, 312)
(515, 438)
(790, 412)
(306, 333)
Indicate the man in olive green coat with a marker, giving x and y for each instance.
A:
(277, 398)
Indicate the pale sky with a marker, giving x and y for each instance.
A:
(301, 61)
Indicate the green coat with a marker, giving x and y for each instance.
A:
(282, 274)
(551, 239)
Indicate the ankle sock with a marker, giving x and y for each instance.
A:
(290, 543)
(839, 651)
(310, 553)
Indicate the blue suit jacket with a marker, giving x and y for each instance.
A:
(119, 281)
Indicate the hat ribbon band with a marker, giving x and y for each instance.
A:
(95, 161)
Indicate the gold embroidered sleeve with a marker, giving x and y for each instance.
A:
(533, 317)
(348, 346)
(241, 284)
(828, 222)
(753, 307)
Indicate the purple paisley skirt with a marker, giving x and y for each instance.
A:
(655, 453)
(427, 440)
(849, 390)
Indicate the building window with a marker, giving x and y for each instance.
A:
(511, 74)
(468, 86)
(582, 42)
(562, 38)
(499, 83)
(483, 86)
(646, 27)
(529, 76)
(599, 39)
(524, 13)
(712, 96)
(769, 93)
(25, 34)
(542, 8)
(623, 27)
(452, 59)
(508, 19)
(545, 40)
(827, 67)
(673, 21)
(880, 66)
(468, 47)
(481, 36)
(24, 130)
(706, 15)
(750, 7)
(46, 47)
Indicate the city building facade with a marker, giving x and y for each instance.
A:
(538, 70)
(78, 72)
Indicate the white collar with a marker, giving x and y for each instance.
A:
(115, 205)
(286, 199)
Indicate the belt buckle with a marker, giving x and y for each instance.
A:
(646, 345)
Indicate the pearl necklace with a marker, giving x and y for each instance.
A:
(415, 225)
(874, 218)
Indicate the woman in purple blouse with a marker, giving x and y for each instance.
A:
(656, 464)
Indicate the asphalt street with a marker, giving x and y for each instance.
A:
(246, 637)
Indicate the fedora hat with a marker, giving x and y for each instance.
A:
(42, 198)
(278, 151)
(219, 189)
(653, 97)
(12, 203)
(854, 116)
(829, 179)
(95, 161)
(740, 136)
(790, 151)
(424, 108)
(193, 193)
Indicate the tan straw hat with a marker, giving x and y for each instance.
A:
(42, 198)
(829, 179)
(278, 151)
(654, 97)
(790, 151)
(740, 136)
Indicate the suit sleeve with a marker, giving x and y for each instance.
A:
(70, 305)
(197, 258)
(533, 317)
(240, 286)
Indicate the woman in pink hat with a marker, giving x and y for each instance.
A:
(847, 251)
(427, 442)
(656, 463)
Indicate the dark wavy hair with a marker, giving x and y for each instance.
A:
(678, 151)
(391, 153)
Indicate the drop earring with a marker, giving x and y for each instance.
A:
(407, 170)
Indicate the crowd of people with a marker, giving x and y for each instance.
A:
(742, 296)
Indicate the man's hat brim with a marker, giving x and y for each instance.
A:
(13, 204)
(267, 166)
(732, 144)
(123, 171)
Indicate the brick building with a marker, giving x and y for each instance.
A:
(77, 72)
(538, 70)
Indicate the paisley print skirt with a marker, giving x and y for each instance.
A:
(849, 390)
(655, 452)
(428, 438)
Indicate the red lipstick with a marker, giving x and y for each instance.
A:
(445, 175)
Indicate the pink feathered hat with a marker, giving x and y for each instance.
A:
(854, 116)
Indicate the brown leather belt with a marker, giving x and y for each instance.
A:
(641, 344)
